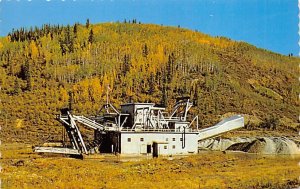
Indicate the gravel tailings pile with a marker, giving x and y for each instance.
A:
(259, 145)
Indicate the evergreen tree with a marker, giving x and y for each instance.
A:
(169, 67)
(145, 51)
(151, 84)
(25, 74)
(67, 43)
(126, 64)
(87, 24)
(91, 36)
(70, 93)
(75, 29)
(28, 76)
(164, 101)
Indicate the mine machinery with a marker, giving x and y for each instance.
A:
(139, 128)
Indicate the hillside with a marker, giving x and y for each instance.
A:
(140, 62)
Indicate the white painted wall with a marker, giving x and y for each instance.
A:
(136, 146)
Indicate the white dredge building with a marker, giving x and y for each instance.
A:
(140, 129)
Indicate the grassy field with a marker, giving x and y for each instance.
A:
(23, 169)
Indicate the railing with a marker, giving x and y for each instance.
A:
(88, 122)
(159, 130)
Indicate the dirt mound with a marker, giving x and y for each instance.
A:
(260, 145)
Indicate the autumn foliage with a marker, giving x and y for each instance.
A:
(41, 67)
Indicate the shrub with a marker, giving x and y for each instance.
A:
(270, 123)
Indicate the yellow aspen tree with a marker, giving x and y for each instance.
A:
(33, 49)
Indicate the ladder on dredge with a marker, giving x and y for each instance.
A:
(78, 145)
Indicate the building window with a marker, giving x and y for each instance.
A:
(128, 139)
(173, 139)
(165, 147)
(173, 146)
(142, 139)
(180, 139)
(167, 139)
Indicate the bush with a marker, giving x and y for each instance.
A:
(270, 123)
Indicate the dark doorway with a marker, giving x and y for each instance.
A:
(148, 148)
(155, 149)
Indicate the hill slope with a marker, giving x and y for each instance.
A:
(140, 62)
